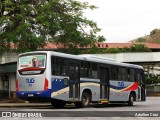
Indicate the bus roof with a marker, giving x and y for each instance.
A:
(90, 58)
(108, 61)
(58, 54)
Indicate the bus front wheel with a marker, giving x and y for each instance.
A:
(85, 100)
(131, 100)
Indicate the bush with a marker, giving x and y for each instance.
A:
(152, 79)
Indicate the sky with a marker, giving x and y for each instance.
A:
(124, 20)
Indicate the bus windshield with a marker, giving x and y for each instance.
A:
(32, 61)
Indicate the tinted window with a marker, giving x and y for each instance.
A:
(59, 66)
(85, 70)
(113, 73)
(131, 75)
(122, 74)
(94, 71)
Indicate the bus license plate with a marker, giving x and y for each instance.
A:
(30, 95)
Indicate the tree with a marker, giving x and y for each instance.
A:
(27, 25)
(139, 48)
(141, 39)
(153, 32)
(154, 36)
(152, 79)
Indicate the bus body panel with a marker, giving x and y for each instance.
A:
(58, 86)
(116, 94)
(60, 90)
(90, 84)
(31, 83)
(120, 90)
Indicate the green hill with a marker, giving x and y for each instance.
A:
(154, 37)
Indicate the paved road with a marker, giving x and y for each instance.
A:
(143, 110)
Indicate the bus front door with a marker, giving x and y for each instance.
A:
(143, 87)
(74, 81)
(104, 84)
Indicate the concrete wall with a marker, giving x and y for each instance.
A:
(156, 88)
(8, 57)
(149, 60)
(121, 57)
(133, 57)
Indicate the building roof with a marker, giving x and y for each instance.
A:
(122, 45)
(50, 45)
(108, 45)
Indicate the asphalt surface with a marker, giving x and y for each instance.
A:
(147, 110)
(153, 101)
(19, 105)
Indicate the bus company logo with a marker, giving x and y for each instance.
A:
(6, 114)
(30, 80)
(120, 84)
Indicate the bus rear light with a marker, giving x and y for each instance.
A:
(17, 87)
(46, 84)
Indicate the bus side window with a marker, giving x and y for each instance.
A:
(119, 73)
(124, 74)
(59, 66)
(85, 70)
(132, 75)
(94, 71)
(114, 73)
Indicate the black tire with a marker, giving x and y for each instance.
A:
(58, 103)
(131, 100)
(85, 100)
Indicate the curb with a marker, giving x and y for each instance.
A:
(24, 104)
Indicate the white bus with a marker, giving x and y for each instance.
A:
(64, 78)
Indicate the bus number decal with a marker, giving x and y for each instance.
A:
(120, 84)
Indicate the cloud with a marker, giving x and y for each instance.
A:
(123, 20)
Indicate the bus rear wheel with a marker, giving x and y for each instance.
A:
(85, 100)
(58, 103)
(131, 100)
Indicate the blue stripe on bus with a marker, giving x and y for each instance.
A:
(111, 86)
(116, 87)
(58, 84)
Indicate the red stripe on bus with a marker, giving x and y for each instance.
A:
(133, 87)
(30, 68)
